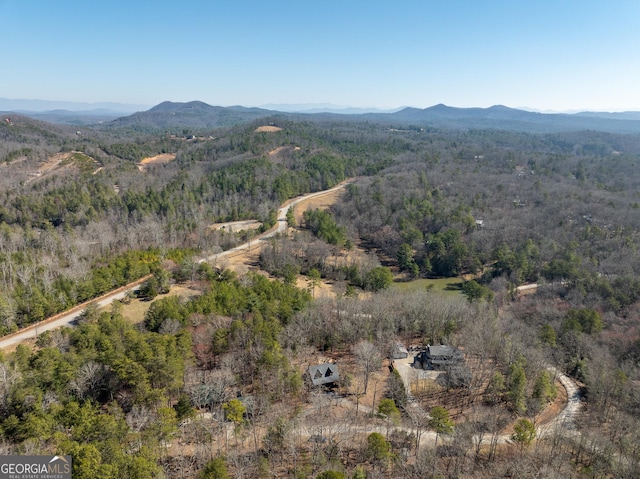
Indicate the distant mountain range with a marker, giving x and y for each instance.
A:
(42, 106)
(68, 112)
(502, 117)
(199, 115)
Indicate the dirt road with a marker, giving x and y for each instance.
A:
(564, 421)
(279, 227)
(67, 318)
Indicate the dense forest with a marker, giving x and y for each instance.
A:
(215, 385)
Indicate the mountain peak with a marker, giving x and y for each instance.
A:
(173, 107)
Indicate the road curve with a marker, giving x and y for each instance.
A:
(67, 318)
(565, 420)
(281, 223)
(563, 423)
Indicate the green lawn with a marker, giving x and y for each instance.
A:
(444, 285)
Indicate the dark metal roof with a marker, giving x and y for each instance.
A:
(324, 373)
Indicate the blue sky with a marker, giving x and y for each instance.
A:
(561, 55)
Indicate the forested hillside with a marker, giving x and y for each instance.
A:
(60, 227)
(217, 384)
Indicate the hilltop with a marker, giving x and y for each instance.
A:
(196, 115)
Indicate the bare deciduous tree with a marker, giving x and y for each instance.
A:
(368, 357)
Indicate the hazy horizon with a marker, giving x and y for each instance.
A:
(546, 56)
(31, 105)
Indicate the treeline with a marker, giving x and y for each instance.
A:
(32, 294)
(137, 151)
(537, 219)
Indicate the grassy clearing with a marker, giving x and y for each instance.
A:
(442, 285)
(134, 311)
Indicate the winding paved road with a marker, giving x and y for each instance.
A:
(68, 318)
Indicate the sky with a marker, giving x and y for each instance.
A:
(560, 55)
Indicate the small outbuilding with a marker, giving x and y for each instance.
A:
(398, 351)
